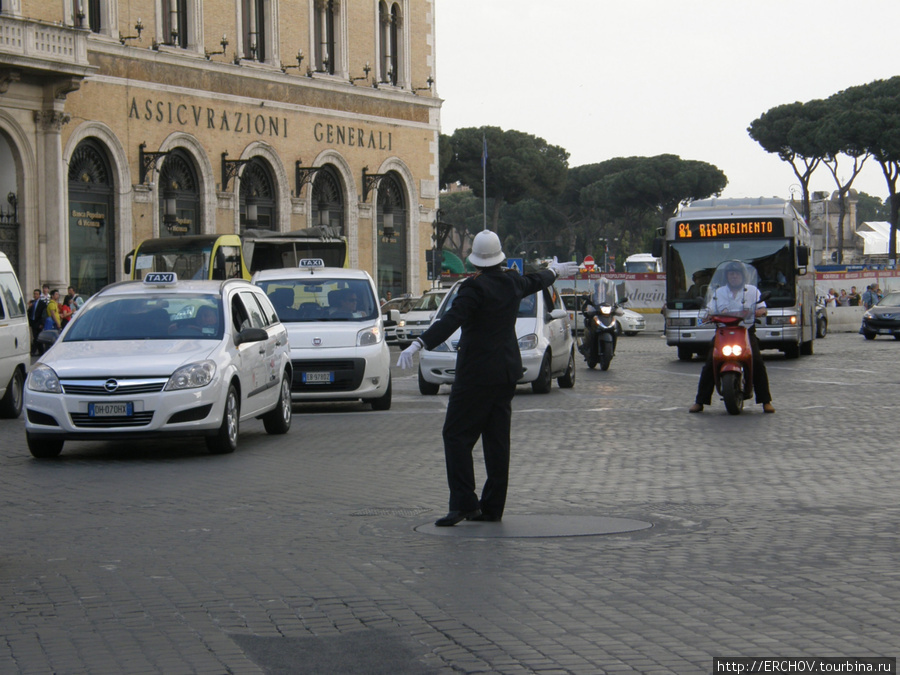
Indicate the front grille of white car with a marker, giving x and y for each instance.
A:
(138, 419)
(113, 387)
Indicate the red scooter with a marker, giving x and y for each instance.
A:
(731, 299)
(732, 362)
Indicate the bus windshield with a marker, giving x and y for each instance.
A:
(691, 265)
(188, 259)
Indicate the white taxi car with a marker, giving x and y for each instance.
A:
(545, 343)
(162, 357)
(336, 331)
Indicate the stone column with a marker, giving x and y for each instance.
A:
(53, 225)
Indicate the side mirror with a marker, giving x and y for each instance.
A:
(394, 315)
(657, 249)
(251, 335)
(127, 265)
(802, 256)
(623, 301)
(557, 314)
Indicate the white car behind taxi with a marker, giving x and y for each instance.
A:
(336, 331)
(162, 357)
(545, 343)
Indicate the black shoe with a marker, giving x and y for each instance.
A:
(455, 517)
(486, 518)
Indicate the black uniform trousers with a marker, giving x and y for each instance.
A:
(707, 384)
(478, 410)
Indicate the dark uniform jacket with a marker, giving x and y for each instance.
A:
(485, 309)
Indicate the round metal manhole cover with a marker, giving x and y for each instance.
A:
(538, 526)
(387, 511)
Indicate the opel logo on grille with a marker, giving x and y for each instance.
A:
(110, 385)
(317, 342)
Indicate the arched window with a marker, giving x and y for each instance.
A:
(390, 223)
(179, 195)
(326, 30)
(258, 203)
(390, 21)
(175, 23)
(92, 227)
(328, 200)
(254, 21)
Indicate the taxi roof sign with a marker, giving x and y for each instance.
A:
(160, 278)
(311, 262)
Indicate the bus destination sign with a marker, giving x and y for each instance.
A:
(729, 228)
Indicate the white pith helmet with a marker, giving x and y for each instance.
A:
(486, 250)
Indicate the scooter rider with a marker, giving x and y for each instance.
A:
(488, 365)
(736, 295)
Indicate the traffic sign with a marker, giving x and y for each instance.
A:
(589, 262)
(518, 264)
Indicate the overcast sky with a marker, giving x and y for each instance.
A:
(604, 78)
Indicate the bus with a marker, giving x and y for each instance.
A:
(639, 263)
(767, 233)
(226, 256)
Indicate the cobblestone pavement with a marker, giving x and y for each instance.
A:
(773, 535)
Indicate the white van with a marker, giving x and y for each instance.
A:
(336, 332)
(15, 341)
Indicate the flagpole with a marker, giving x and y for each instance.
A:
(484, 178)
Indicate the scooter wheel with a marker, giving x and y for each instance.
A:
(732, 393)
(606, 355)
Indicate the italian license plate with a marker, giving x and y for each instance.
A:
(118, 409)
(885, 331)
(318, 378)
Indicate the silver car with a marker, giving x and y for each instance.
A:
(162, 357)
(545, 342)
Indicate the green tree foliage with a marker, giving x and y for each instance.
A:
(519, 166)
(641, 187)
(790, 131)
(877, 106)
(869, 209)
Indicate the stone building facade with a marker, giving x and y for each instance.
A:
(122, 120)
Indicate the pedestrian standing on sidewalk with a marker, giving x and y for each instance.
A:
(488, 365)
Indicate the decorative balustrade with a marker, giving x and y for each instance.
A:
(36, 40)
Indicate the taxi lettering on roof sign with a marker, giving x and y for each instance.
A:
(311, 262)
(160, 278)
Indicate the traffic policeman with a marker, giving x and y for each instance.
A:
(488, 365)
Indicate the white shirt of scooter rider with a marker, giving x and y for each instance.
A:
(743, 300)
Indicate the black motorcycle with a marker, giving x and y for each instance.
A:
(601, 325)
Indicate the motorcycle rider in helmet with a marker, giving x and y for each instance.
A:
(736, 292)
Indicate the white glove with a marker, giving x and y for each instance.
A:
(563, 269)
(406, 356)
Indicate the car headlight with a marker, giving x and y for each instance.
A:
(44, 378)
(528, 342)
(192, 376)
(368, 336)
(783, 320)
(868, 316)
(401, 323)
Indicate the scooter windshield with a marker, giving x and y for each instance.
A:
(603, 291)
(732, 291)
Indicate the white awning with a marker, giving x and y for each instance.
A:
(876, 235)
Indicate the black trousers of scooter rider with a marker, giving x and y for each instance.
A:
(707, 384)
